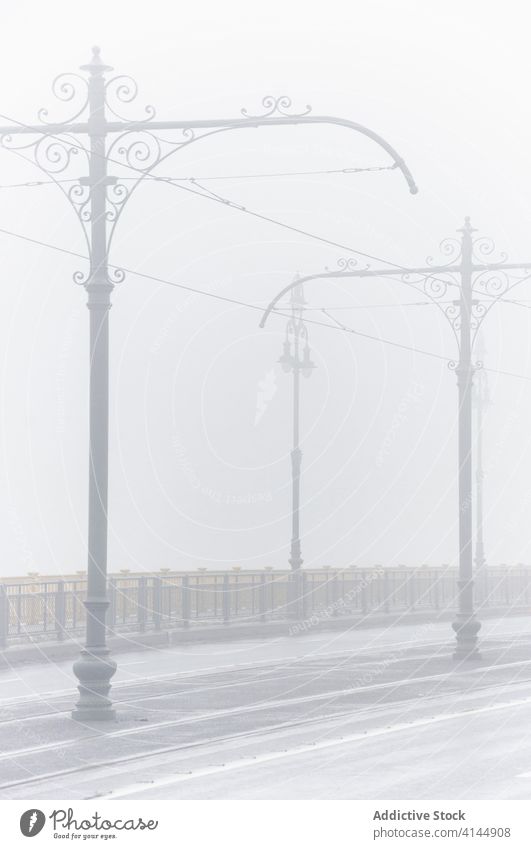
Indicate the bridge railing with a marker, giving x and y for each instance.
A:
(54, 609)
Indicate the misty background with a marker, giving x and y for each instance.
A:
(200, 408)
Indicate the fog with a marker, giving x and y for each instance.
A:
(200, 408)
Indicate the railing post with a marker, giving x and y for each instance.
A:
(326, 586)
(412, 589)
(185, 600)
(363, 588)
(111, 610)
(226, 598)
(335, 594)
(157, 599)
(486, 588)
(435, 591)
(4, 617)
(386, 590)
(306, 589)
(141, 600)
(60, 611)
(262, 598)
(507, 585)
(302, 590)
(479, 588)
(293, 595)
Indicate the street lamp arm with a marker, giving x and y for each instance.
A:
(215, 123)
(361, 273)
(239, 123)
(153, 156)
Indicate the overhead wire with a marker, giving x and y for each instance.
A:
(208, 194)
(338, 326)
(192, 178)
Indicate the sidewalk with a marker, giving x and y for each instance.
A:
(45, 652)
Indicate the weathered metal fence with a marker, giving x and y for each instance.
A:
(55, 609)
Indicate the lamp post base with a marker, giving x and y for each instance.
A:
(466, 628)
(94, 671)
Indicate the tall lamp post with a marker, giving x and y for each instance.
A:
(296, 359)
(99, 198)
(480, 285)
(481, 399)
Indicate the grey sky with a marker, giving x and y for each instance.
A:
(195, 479)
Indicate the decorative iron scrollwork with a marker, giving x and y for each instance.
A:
(66, 88)
(449, 247)
(483, 247)
(123, 89)
(350, 263)
(277, 106)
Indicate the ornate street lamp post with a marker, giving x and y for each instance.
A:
(465, 624)
(98, 199)
(480, 285)
(95, 668)
(481, 399)
(296, 359)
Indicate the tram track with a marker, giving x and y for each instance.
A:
(272, 733)
(264, 705)
(235, 669)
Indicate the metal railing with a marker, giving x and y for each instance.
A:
(54, 609)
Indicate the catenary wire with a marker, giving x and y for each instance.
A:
(192, 178)
(209, 195)
(236, 302)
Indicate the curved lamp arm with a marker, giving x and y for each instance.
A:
(322, 276)
(370, 273)
(239, 123)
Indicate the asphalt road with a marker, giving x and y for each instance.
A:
(361, 715)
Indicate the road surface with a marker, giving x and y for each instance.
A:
(367, 714)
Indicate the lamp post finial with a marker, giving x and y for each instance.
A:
(96, 66)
